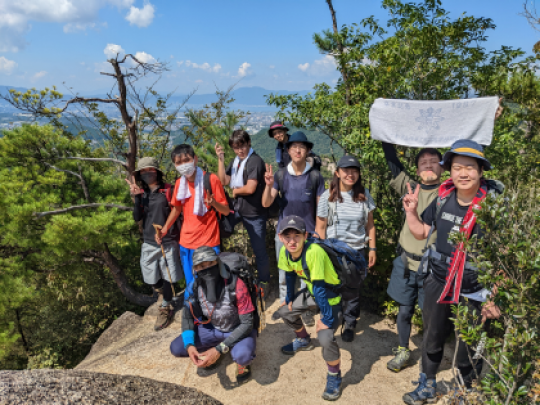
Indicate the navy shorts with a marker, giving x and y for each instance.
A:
(405, 291)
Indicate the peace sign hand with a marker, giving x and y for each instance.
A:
(209, 199)
(133, 188)
(219, 152)
(410, 200)
(269, 176)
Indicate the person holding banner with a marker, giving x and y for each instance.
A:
(452, 278)
(405, 285)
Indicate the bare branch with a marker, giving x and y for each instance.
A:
(96, 160)
(83, 206)
(81, 178)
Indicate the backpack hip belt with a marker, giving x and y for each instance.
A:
(432, 254)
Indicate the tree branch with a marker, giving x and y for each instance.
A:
(96, 160)
(81, 178)
(83, 206)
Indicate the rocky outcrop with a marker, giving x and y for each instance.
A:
(89, 388)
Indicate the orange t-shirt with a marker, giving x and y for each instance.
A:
(200, 231)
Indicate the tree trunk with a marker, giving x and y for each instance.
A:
(340, 49)
(19, 328)
(121, 280)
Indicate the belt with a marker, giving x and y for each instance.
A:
(408, 254)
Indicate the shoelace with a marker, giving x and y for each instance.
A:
(332, 382)
(241, 369)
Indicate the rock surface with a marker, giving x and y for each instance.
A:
(131, 346)
(89, 388)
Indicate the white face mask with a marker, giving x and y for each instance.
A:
(186, 169)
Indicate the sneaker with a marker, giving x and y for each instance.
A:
(425, 393)
(347, 333)
(333, 386)
(400, 360)
(243, 374)
(164, 317)
(308, 318)
(276, 315)
(297, 345)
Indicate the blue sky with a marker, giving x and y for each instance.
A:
(207, 43)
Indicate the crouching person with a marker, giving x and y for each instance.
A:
(319, 274)
(218, 317)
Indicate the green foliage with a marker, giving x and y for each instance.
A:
(509, 263)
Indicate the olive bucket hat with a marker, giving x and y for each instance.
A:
(147, 162)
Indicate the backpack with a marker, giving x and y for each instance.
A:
(238, 267)
(225, 227)
(349, 264)
(276, 208)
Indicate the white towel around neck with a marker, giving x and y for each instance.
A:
(237, 173)
(435, 124)
(199, 208)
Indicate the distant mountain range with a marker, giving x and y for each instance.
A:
(253, 98)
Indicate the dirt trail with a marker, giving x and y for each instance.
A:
(130, 346)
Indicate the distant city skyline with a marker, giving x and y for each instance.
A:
(264, 43)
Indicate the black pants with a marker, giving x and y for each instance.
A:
(350, 300)
(437, 327)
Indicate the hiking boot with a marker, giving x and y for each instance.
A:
(347, 333)
(297, 345)
(164, 317)
(333, 386)
(425, 393)
(308, 318)
(400, 360)
(243, 374)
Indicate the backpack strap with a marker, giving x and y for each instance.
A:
(280, 178)
(332, 212)
(305, 267)
(314, 177)
(167, 190)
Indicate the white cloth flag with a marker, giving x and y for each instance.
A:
(435, 124)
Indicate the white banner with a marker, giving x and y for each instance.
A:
(433, 124)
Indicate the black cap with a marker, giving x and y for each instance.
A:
(276, 125)
(348, 161)
(299, 136)
(292, 222)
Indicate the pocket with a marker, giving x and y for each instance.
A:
(306, 195)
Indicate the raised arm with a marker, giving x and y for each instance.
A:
(418, 228)
(270, 193)
(396, 167)
(222, 175)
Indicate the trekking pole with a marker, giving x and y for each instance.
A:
(158, 228)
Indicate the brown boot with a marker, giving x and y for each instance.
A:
(164, 317)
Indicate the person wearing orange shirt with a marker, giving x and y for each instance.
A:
(200, 226)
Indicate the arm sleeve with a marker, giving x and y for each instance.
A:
(319, 292)
(228, 169)
(320, 189)
(241, 331)
(322, 208)
(396, 167)
(188, 328)
(369, 199)
(138, 209)
(290, 278)
(256, 170)
(217, 189)
(428, 216)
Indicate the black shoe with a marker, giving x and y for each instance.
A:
(347, 333)
(276, 315)
(308, 318)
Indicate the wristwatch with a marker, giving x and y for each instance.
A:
(222, 348)
(372, 249)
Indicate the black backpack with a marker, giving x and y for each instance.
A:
(277, 206)
(349, 264)
(225, 227)
(238, 267)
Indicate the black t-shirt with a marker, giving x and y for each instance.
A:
(449, 220)
(251, 205)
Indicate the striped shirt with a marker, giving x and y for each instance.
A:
(350, 218)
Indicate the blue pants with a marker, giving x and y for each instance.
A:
(207, 336)
(256, 229)
(186, 258)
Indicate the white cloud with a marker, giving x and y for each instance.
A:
(111, 51)
(303, 67)
(7, 66)
(141, 17)
(179, 63)
(244, 70)
(272, 67)
(204, 66)
(39, 75)
(77, 15)
(198, 81)
(145, 57)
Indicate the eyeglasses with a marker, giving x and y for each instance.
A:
(298, 146)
